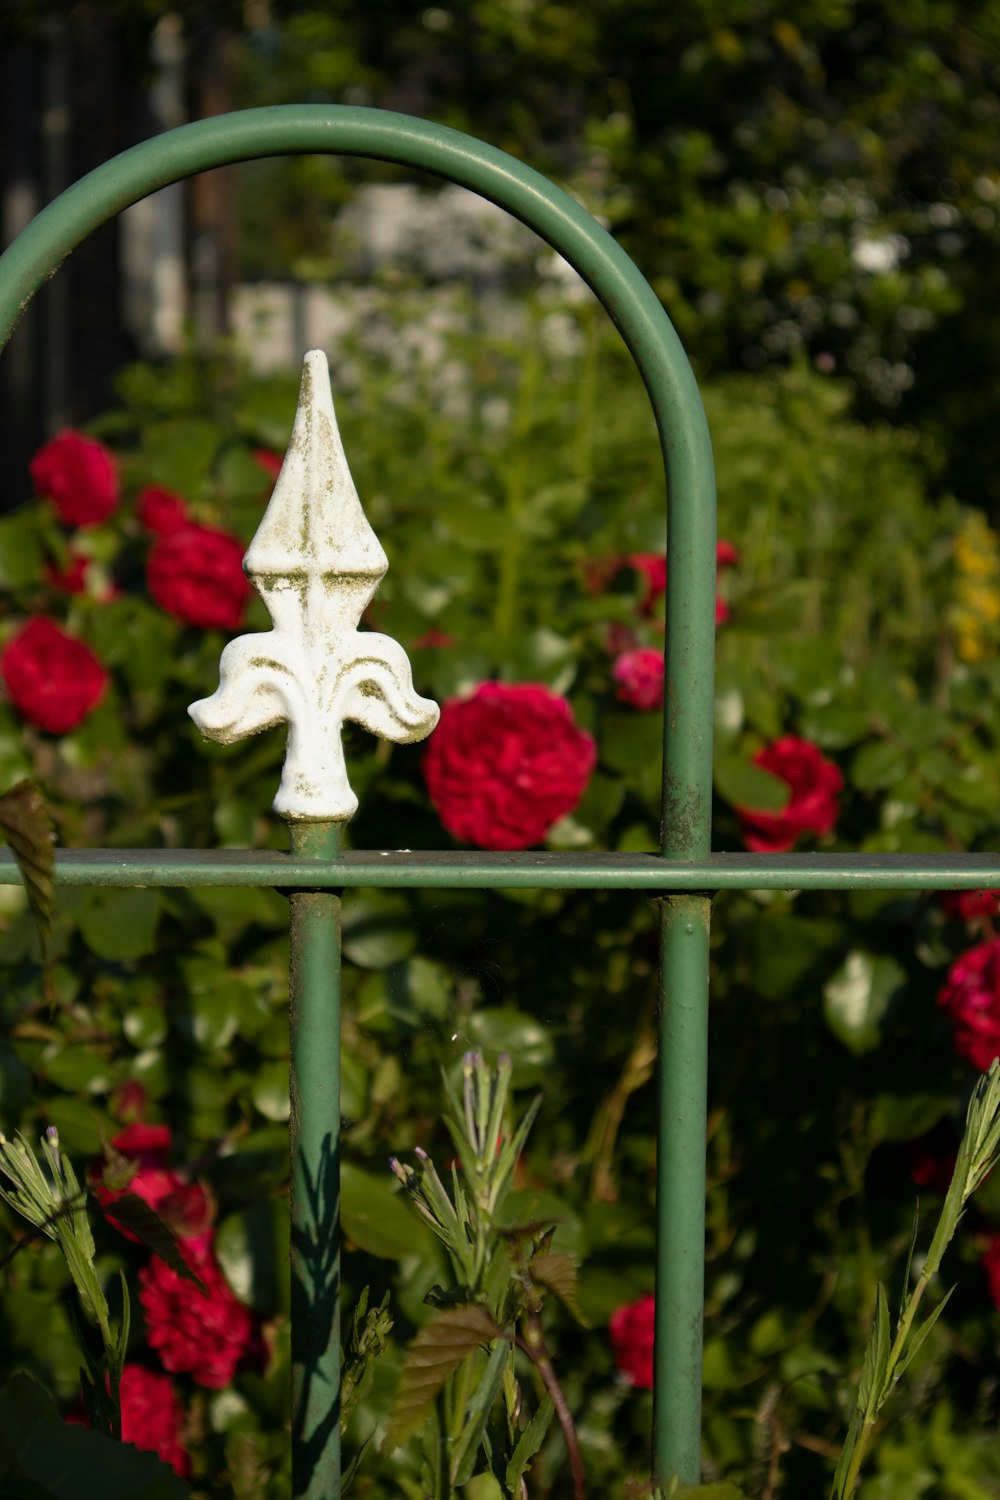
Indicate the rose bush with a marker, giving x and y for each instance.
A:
(830, 1052)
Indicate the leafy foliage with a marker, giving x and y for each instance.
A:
(510, 476)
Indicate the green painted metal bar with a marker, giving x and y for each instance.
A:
(536, 870)
(680, 1194)
(314, 1139)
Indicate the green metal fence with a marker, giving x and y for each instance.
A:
(316, 870)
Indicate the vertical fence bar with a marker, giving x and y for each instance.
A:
(680, 1196)
(314, 1136)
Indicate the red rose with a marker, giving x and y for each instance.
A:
(128, 1102)
(183, 1204)
(80, 477)
(161, 510)
(150, 1143)
(967, 905)
(632, 1336)
(653, 569)
(812, 807)
(202, 1334)
(931, 1158)
(197, 575)
(971, 997)
(638, 676)
(52, 679)
(152, 1416)
(505, 763)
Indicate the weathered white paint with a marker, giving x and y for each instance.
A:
(316, 563)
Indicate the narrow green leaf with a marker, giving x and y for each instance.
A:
(559, 1274)
(918, 1338)
(26, 825)
(135, 1215)
(528, 1444)
(437, 1350)
(477, 1414)
(846, 1454)
(873, 1369)
(904, 1293)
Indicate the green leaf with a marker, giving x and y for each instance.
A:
(857, 997)
(528, 1444)
(743, 784)
(120, 925)
(378, 930)
(477, 1413)
(41, 1458)
(878, 765)
(559, 1273)
(27, 827)
(438, 1349)
(918, 1338)
(378, 1219)
(270, 1090)
(724, 1491)
(134, 1214)
(253, 1248)
(872, 1387)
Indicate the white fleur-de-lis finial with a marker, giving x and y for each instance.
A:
(316, 563)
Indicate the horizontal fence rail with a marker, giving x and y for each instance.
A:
(449, 870)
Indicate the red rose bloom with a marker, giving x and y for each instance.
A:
(971, 998)
(161, 510)
(196, 574)
(52, 679)
(152, 1416)
(80, 477)
(812, 807)
(638, 677)
(505, 763)
(201, 1334)
(149, 1143)
(653, 569)
(632, 1335)
(967, 905)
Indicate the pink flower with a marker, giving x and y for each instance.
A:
(632, 1331)
(80, 477)
(814, 783)
(52, 679)
(970, 997)
(505, 763)
(638, 675)
(202, 1334)
(161, 511)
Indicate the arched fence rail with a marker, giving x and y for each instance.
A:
(684, 874)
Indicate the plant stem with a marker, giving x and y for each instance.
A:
(905, 1321)
(534, 1346)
